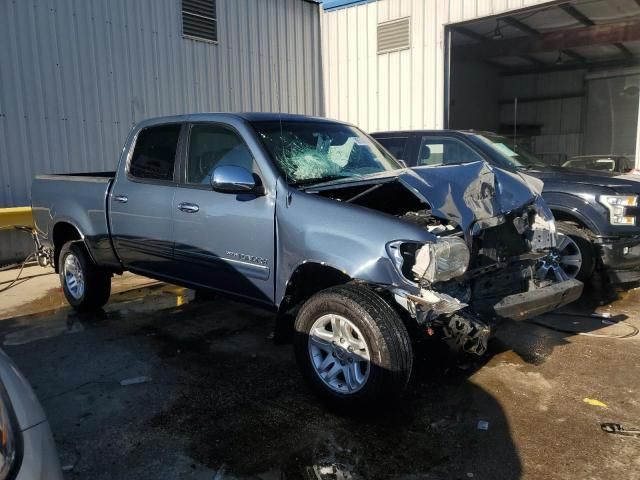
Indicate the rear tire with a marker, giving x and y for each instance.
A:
(86, 286)
(365, 354)
(587, 251)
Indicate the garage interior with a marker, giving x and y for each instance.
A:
(562, 79)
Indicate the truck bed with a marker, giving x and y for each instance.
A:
(80, 200)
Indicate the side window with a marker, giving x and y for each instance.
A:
(395, 145)
(154, 154)
(211, 146)
(445, 151)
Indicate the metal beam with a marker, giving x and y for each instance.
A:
(484, 40)
(506, 101)
(529, 30)
(523, 27)
(624, 50)
(591, 66)
(471, 34)
(576, 56)
(606, 34)
(577, 14)
(533, 60)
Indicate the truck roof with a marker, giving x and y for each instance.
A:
(247, 116)
(429, 131)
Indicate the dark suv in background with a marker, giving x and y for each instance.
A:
(596, 212)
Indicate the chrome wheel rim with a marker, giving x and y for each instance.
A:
(339, 353)
(563, 263)
(73, 277)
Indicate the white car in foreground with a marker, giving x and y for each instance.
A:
(27, 449)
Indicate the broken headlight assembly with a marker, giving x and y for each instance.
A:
(442, 260)
(617, 206)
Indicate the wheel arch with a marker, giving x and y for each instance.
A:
(307, 279)
(63, 232)
(570, 208)
(570, 216)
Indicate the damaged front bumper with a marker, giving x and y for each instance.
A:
(467, 326)
(460, 327)
(621, 258)
(521, 306)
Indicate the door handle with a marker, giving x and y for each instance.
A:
(121, 198)
(188, 207)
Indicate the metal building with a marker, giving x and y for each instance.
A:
(562, 76)
(75, 75)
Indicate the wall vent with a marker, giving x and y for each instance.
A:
(199, 20)
(394, 35)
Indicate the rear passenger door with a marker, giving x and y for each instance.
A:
(223, 241)
(141, 202)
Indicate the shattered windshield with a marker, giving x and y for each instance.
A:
(315, 152)
(513, 155)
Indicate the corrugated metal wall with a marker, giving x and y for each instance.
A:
(612, 112)
(562, 119)
(75, 75)
(395, 90)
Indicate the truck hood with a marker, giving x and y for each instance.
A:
(465, 194)
(556, 178)
(472, 192)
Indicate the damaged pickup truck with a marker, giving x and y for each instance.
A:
(311, 218)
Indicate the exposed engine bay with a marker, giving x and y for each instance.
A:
(475, 263)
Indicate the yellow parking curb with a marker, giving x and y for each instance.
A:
(16, 216)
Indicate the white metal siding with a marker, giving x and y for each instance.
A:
(403, 89)
(75, 75)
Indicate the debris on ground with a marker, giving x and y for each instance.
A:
(617, 429)
(483, 425)
(595, 403)
(134, 380)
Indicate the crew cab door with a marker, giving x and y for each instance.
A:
(223, 241)
(141, 201)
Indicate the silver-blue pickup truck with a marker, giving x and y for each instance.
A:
(358, 256)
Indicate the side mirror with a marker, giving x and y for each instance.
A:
(233, 179)
(402, 162)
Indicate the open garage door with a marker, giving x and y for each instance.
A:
(562, 79)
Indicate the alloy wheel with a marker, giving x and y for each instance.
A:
(563, 263)
(73, 276)
(339, 353)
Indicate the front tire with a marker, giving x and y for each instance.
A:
(86, 286)
(577, 254)
(352, 347)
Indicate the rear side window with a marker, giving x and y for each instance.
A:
(155, 153)
(445, 151)
(395, 145)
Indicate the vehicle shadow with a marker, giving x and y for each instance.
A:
(252, 414)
